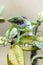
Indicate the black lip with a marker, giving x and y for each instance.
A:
(19, 22)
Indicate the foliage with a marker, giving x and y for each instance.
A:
(21, 36)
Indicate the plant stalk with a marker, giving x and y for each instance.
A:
(33, 53)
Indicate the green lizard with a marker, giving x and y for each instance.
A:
(21, 23)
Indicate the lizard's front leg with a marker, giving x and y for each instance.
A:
(18, 35)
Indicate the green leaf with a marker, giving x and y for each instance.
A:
(15, 56)
(10, 30)
(1, 10)
(12, 33)
(40, 16)
(39, 45)
(28, 38)
(34, 23)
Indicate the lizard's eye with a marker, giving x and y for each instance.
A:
(26, 45)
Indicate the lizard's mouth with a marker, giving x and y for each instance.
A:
(17, 21)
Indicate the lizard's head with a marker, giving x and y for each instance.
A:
(19, 20)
